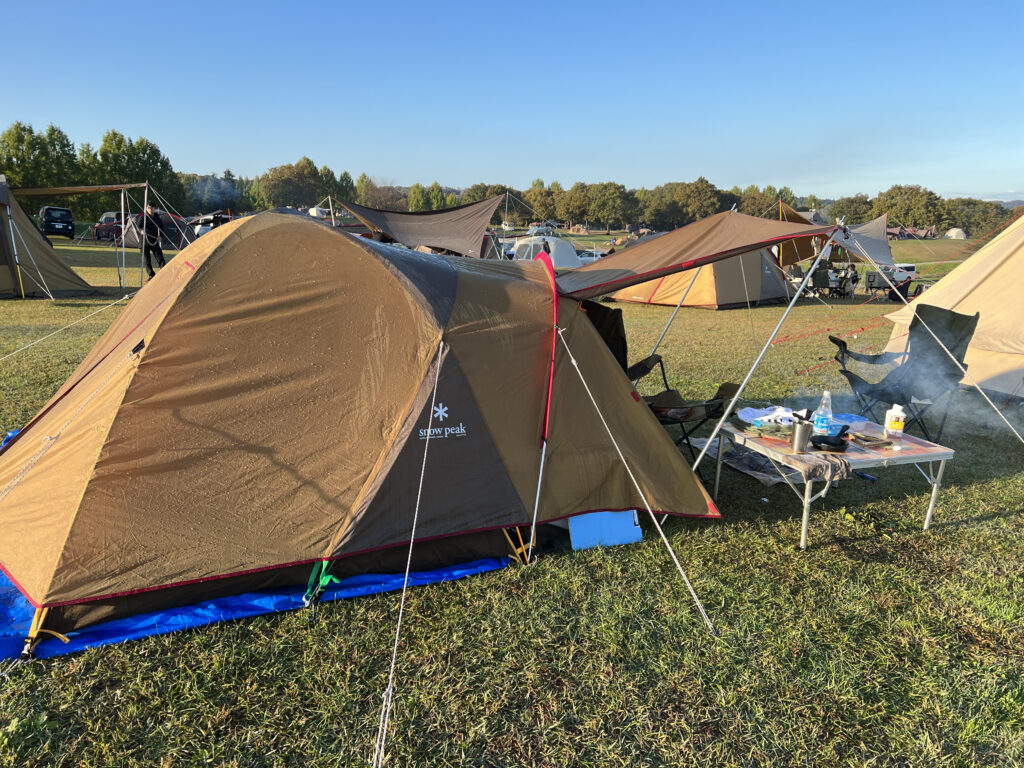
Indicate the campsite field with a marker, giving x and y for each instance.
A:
(879, 645)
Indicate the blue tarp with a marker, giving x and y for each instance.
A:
(16, 612)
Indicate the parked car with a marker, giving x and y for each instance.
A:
(108, 227)
(56, 221)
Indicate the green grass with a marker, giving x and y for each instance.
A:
(879, 645)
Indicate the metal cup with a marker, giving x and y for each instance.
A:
(801, 434)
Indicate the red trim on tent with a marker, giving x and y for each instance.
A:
(20, 588)
(544, 259)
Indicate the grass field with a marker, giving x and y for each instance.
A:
(880, 645)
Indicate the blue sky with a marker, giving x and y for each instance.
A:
(816, 97)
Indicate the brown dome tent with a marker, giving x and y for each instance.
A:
(264, 402)
(29, 267)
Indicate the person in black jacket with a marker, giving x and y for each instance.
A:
(149, 222)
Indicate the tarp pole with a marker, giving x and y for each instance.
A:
(676, 310)
(330, 204)
(14, 246)
(142, 235)
(121, 273)
(824, 252)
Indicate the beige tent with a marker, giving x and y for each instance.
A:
(747, 279)
(955, 234)
(29, 267)
(239, 422)
(989, 282)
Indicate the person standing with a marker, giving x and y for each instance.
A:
(150, 225)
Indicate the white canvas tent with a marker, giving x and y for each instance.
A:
(988, 282)
(563, 253)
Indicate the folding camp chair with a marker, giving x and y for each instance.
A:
(820, 282)
(671, 409)
(926, 374)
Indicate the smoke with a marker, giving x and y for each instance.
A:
(211, 193)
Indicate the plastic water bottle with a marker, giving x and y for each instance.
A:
(895, 420)
(823, 416)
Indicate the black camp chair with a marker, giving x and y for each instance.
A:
(926, 374)
(820, 282)
(671, 409)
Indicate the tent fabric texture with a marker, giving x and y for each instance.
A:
(988, 282)
(562, 252)
(238, 423)
(461, 230)
(703, 242)
(29, 266)
(743, 280)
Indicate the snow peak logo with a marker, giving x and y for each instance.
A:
(442, 432)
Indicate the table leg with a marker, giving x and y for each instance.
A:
(718, 463)
(808, 493)
(935, 494)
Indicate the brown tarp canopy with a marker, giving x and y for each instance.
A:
(28, 264)
(703, 242)
(239, 421)
(460, 230)
(41, 191)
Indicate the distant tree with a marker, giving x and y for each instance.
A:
(975, 217)
(697, 199)
(812, 202)
(474, 194)
(418, 198)
(909, 205)
(787, 196)
(328, 183)
(31, 159)
(346, 188)
(608, 204)
(435, 197)
(291, 185)
(451, 200)
(541, 200)
(366, 190)
(852, 210)
(754, 202)
(572, 206)
(250, 196)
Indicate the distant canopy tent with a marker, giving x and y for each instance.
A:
(461, 230)
(749, 278)
(29, 266)
(174, 231)
(212, 443)
(988, 282)
(706, 241)
(867, 241)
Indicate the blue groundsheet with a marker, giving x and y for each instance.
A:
(16, 612)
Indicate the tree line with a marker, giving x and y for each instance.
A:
(48, 158)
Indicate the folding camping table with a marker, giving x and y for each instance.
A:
(912, 450)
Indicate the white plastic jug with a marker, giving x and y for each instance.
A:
(895, 420)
